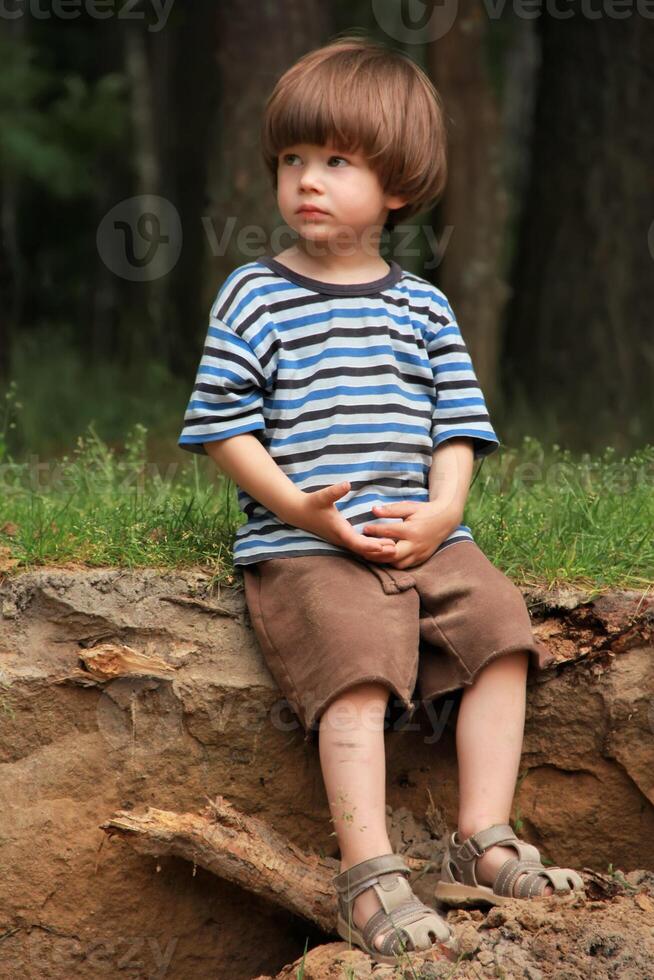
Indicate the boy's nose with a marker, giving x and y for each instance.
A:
(310, 177)
(310, 185)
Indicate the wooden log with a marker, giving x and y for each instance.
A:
(241, 849)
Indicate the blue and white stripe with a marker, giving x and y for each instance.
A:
(337, 387)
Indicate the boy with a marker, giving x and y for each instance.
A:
(338, 393)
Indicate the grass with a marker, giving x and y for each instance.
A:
(541, 514)
(548, 517)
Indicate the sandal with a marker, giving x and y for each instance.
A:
(458, 883)
(415, 926)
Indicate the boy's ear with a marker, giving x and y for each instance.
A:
(394, 201)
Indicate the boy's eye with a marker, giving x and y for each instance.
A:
(288, 158)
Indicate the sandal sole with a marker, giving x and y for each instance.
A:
(450, 894)
(467, 895)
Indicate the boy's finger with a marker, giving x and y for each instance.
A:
(373, 546)
(381, 530)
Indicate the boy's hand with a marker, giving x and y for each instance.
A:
(424, 527)
(316, 513)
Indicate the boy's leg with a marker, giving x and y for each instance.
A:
(478, 624)
(489, 733)
(352, 757)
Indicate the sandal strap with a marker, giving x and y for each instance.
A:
(532, 885)
(476, 844)
(464, 855)
(409, 913)
(509, 873)
(380, 921)
(562, 880)
(534, 879)
(354, 880)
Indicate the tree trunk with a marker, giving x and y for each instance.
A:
(140, 68)
(257, 43)
(579, 334)
(192, 105)
(13, 270)
(474, 213)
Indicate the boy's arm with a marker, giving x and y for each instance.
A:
(449, 476)
(249, 464)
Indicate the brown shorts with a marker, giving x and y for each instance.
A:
(328, 622)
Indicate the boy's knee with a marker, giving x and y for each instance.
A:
(364, 698)
(365, 692)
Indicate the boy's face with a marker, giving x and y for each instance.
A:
(342, 185)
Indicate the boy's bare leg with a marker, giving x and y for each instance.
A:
(353, 761)
(489, 733)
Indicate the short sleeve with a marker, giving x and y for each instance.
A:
(227, 397)
(460, 408)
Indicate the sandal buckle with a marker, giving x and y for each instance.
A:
(470, 850)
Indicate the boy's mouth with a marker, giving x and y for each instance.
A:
(310, 209)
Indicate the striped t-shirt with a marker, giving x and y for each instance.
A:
(338, 382)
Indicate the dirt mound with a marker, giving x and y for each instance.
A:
(122, 689)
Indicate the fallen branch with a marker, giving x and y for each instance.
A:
(243, 850)
(240, 849)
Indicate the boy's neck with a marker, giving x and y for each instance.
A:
(328, 267)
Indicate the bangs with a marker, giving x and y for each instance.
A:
(328, 109)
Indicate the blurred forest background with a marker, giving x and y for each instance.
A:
(543, 241)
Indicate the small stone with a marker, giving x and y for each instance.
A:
(9, 609)
(469, 939)
(532, 918)
(496, 917)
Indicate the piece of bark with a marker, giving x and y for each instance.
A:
(106, 662)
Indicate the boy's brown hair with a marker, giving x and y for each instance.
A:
(359, 95)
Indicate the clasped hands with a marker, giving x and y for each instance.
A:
(400, 544)
(424, 526)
